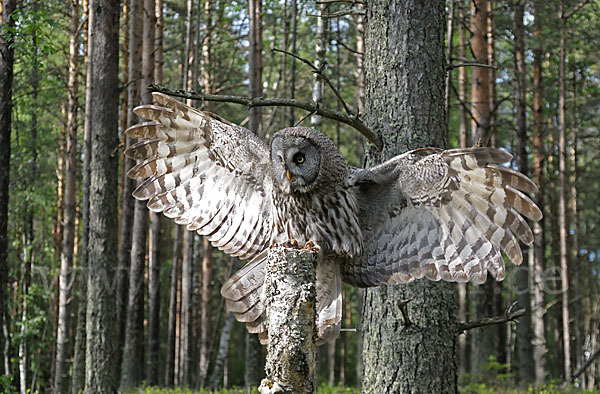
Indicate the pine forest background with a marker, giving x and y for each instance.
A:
(522, 75)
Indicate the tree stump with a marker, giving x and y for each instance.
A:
(290, 295)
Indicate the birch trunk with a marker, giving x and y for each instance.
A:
(290, 295)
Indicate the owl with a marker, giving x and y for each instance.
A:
(429, 213)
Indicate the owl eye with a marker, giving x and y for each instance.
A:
(299, 158)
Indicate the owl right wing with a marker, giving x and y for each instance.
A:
(440, 215)
(204, 172)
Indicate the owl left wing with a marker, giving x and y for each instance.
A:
(206, 173)
(440, 215)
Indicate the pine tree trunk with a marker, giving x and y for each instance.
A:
(538, 303)
(186, 310)
(172, 322)
(205, 309)
(61, 378)
(100, 351)
(405, 105)
(292, 81)
(79, 357)
(562, 197)
(524, 331)
(255, 63)
(480, 76)
(6, 83)
(127, 201)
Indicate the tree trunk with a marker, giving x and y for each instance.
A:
(132, 371)
(172, 323)
(562, 198)
(216, 379)
(538, 261)
(405, 105)
(292, 81)
(186, 310)
(205, 309)
(6, 84)
(480, 76)
(61, 378)
(255, 63)
(100, 347)
(524, 334)
(127, 201)
(290, 294)
(462, 76)
(79, 357)
(319, 62)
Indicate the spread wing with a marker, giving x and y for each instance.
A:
(209, 174)
(440, 215)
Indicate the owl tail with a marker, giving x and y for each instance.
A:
(244, 296)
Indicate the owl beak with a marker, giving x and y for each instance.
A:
(289, 175)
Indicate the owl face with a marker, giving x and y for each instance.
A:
(296, 161)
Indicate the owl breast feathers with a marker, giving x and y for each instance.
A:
(428, 213)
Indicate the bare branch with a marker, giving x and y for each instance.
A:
(509, 315)
(353, 121)
(587, 363)
(321, 74)
(452, 66)
(570, 13)
(340, 43)
(339, 14)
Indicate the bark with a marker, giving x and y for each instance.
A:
(449, 43)
(537, 262)
(255, 63)
(480, 76)
(462, 77)
(186, 311)
(319, 62)
(66, 266)
(205, 309)
(148, 73)
(292, 81)
(562, 197)
(132, 371)
(79, 357)
(405, 105)
(6, 85)
(216, 379)
(524, 331)
(158, 52)
(100, 347)
(206, 49)
(290, 294)
(173, 308)
(188, 43)
(127, 200)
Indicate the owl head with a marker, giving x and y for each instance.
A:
(304, 159)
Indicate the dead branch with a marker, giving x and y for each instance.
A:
(571, 12)
(509, 315)
(354, 121)
(452, 66)
(339, 14)
(587, 363)
(321, 74)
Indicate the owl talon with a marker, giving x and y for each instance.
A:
(291, 244)
(311, 246)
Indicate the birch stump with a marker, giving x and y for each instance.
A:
(290, 295)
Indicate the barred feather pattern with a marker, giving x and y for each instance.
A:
(429, 213)
(205, 173)
(442, 215)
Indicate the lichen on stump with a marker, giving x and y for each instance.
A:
(290, 295)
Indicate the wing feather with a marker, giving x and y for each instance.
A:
(204, 172)
(449, 215)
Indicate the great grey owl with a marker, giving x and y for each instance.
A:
(428, 213)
